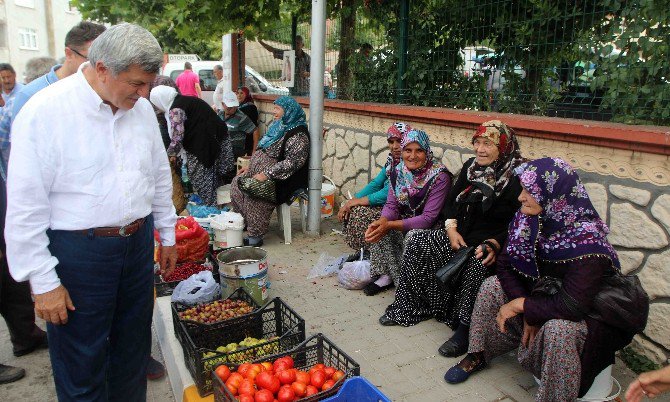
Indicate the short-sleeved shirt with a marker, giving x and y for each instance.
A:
(186, 83)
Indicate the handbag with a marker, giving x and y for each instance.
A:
(262, 190)
(621, 302)
(450, 273)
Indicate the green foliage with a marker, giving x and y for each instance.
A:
(637, 362)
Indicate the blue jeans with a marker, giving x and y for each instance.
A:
(101, 353)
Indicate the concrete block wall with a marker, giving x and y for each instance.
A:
(629, 189)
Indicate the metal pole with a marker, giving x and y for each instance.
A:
(402, 49)
(316, 68)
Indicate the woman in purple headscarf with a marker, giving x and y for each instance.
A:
(366, 206)
(557, 233)
(418, 187)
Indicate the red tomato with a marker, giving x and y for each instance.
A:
(246, 387)
(266, 365)
(280, 365)
(318, 378)
(311, 390)
(301, 376)
(243, 368)
(245, 398)
(315, 369)
(286, 376)
(286, 394)
(328, 384)
(253, 371)
(299, 389)
(268, 381)
(289, 360)
(319, 366)
(223, 372)
(234, 382)
(329, 372)
(337, 375)
(264, 396)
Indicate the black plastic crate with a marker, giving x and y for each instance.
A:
(182, 326)
(316, 349)
(275, 319)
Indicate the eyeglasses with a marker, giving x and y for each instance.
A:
(79, 54)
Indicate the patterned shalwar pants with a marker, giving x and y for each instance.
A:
(553, 356)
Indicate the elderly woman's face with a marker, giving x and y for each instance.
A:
(278, 111)
(529, 205)
(413, 156)
(394, 148)
(486, 152)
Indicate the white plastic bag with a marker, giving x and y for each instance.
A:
(355, 275)
(199, 288)
(326, 265)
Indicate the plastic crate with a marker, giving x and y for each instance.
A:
(358, 389)
(275, 319)
(181, 327)
(316, 349)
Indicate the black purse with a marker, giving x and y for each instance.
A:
(450, 274)
(621, 302)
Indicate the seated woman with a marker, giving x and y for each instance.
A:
(418, 187)
(281, 156)
(248, 107)
(194, 127)
(556, 233)
(479, 208)
(366, 206)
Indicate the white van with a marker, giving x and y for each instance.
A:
(205, 70)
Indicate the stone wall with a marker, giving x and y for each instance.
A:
(627, 188)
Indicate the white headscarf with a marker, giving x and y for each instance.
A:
(162, 97)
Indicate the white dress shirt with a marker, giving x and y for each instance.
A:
(217, 97)
(76, 165)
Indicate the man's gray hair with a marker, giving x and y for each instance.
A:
(124, 45)
(38, 66)
(218, 67)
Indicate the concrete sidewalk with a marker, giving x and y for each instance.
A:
(402, 362)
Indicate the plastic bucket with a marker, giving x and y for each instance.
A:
(205, 223)
(227, 238)
(223, 194)
(245, 267)
(600, 390)
(327, 199)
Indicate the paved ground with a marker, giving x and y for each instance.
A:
(402, 362)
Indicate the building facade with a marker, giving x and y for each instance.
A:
(34, 28)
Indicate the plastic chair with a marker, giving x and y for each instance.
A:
(284, 214)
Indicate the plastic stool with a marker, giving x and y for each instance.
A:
(284, 215)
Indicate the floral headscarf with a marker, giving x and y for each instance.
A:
(568, 227)
(487, 182)
(396, 131)
(293, 117)
(410, 183)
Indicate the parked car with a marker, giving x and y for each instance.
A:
(205, 70)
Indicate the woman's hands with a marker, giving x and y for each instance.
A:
(455, 239)
(261, 176)
(489, 254)
(529, 332)
(649, 384)
(509, 310)
(377, 230)
(345, 209)
(242, 171)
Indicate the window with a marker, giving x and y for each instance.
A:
(207, 80)
(25, 3)
(27, 38)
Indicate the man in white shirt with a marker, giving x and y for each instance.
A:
(88, 181)
(217, 98)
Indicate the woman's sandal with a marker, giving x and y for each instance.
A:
(372, 288)
(462, 371)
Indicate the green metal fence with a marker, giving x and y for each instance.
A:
(585, 59)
